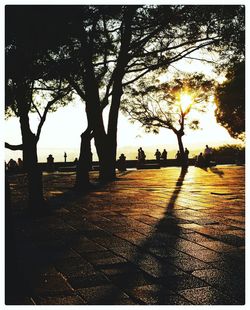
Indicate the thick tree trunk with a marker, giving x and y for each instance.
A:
(84, 162)
(117, 92)
(94, 114)
(34, 173)
(112, 129)
(181, 147)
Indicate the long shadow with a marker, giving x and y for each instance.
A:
(157, 247)
(215, 170)
(164, 238)
(155, 259)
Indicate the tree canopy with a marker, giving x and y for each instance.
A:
(100, 50)
(230, 101)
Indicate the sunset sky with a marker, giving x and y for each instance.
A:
(62, 129)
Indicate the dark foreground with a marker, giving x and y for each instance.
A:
(152, 237)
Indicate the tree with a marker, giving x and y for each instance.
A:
(24, 102)
(106, 48)
(29, 88)
(118, 46)
(167, 105)
(230, 101)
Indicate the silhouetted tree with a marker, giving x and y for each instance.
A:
(117, 46)
(230, 101)
(167, 105)
(29, 88)
(103, 49)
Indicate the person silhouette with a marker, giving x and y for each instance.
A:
(121, 163)
(12, 165)
(158, 155)
(141, 156)
(164, 155)
(200, 160)
(178, 155)
(20, 164)
(207, 155)
(186, 153)
(50, 163)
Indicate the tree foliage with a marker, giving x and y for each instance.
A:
(158, 105)
(230, 100)
(100, 50)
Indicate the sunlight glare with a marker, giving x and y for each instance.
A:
(185, 101)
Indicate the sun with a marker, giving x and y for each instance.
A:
(185, 101)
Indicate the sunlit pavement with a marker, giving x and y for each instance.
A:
(152, 237)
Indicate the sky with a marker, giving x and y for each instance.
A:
(62, 129)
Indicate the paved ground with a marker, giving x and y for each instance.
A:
(152, 237)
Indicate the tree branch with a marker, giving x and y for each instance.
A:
(48, 106)
(13, 147)
(36, 108)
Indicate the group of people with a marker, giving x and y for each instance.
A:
(141, 157)
(13, 166)
(205, 159)
(182, 159)
(161, 156)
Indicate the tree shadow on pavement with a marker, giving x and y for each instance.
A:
(156, 278)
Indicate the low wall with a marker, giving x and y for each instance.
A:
(70, 166)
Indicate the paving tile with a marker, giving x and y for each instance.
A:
(50, 285)
(60, 300)
(143, 239)
(206, 255)
(104, 295)
(88, 281)
(151, 294)
(207, 296)
(105, 258)
(181, 282)
(124, 268)
(225, 282)
(75, 267)
(218, 246)
(190, 264)
(130, 280)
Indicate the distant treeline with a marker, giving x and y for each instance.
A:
(229, 150)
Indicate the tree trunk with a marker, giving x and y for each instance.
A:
(34, 173)
(117, 91)
(181, 148)
(84, 162)
(112, 128)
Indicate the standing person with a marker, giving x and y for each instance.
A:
(50, 163)
(20, 164)
(12, 165)
(164, 155)
(65, 157)
(178, 157)
(139, 155)
(143, 156)
(158, 155)
(207, 155)
(186, 153)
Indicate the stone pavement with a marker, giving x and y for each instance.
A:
(152, 237)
